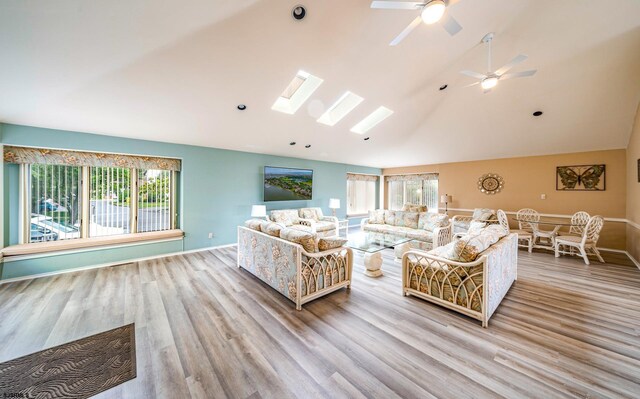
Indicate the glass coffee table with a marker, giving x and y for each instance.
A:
(371, 243)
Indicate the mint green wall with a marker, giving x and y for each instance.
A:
(217, 188)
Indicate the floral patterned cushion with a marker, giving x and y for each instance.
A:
(327, 243)
(408, 219)
(390, 218)
(376, 217)
(414, 208)
(307, 240)
(286, 216)
(430, 221)
(253, 224)
(271, 228)
(484, 214)
(468, 247)
(309, 213)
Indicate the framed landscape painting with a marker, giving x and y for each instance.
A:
(581, 178)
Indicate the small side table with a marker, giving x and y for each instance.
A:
(343, 225)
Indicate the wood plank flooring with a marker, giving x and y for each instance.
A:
(206, 329)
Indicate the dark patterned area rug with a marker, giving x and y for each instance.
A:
(77, 369)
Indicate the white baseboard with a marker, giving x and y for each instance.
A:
(109, 264)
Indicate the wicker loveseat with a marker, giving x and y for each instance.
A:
(472, 288)
(299, 274)
(310, 220)
(480, 217)
(428, 229)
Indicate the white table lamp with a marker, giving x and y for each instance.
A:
(334, 203)
(258, 211)
(445, 199)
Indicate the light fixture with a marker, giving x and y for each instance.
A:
(242, 107)
(489, 82)
(334, 203)
(366, 138)
(445, 199)
(443, 87)
(433, 12)
(372, 120)
(258, 211)
(537, 113)
(307, 146)
(292, 143)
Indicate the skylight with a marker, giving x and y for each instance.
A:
(297, 92)
(340, 108)
(373, 119)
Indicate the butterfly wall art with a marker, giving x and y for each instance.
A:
(580, 178)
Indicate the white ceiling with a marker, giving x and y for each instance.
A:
(174, 71)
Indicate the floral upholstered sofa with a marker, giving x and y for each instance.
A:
(310, 220)
(470, 275)
(428, 229)
(295, 263)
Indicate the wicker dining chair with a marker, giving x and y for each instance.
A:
(525, 229)
(503, 220)
(530, 216)
(585, 244)
(578, 222)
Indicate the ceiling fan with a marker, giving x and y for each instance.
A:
(490, 80)
(431, 11)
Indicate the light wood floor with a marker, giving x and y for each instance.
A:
(207, 329)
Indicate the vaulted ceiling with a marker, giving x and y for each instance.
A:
(175, 71)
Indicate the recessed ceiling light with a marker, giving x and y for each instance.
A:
(345, 104)
(292, 143)
(242, 107)
(366, 138)
(307, 146)
(372, 120)
(537, 113)
(297, 92)
(443, 87)
(298, 12)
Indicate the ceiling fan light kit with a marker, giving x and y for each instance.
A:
(433, 12)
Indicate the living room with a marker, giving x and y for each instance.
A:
(342, 199)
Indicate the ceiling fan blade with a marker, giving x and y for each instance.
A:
(473, 84)
(519, 74)
(519, 58)
(475, 75)
(406, 31)
(397, 5)
(451, 25)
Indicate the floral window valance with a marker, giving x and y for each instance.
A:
(30, 155)
(419, 176)
(359, 177)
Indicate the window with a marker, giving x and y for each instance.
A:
(361, 194)
(413, 189)
(67, 195)
(54, 202)
(110, 210)
(154, 194)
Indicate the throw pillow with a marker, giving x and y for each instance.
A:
(273, 229)
(309, 213)
(408, 219)
(483, 214)
(475, 226)
(430, 221)
(376, 217)
(286, 217)
(307, 240)
(390, 218)
(414, 208)
(327, 243)
(253, 224)
(468, 247)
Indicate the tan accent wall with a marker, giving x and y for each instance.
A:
(527, 178)
(633, 190)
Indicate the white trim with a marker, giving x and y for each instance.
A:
(8, 259)
(116, 263)
(549, 215)
(635, 262)
(633, 224)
